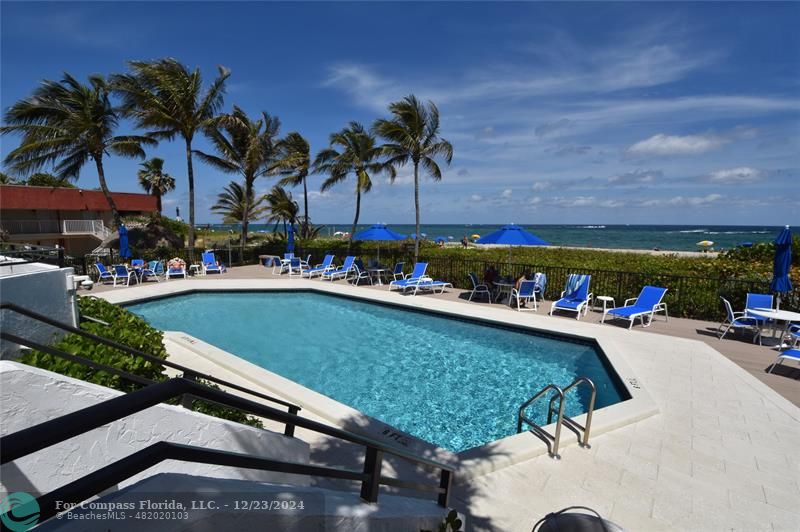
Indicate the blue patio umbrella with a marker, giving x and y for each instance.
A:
(290, 239)
(124, 249)
(378, 233)
(781, 283)
(512, 235)
(441, 239)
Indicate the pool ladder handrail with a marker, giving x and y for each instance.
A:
(553, 441)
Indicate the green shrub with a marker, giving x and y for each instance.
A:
(130, 330)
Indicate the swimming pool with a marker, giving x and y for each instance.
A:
(455, 383)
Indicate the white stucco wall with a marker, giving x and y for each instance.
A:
(43, 288)
(29, 396)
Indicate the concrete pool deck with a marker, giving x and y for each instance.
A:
(720, 453)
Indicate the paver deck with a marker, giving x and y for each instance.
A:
(721, 454)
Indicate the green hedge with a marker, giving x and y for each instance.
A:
(128, 329)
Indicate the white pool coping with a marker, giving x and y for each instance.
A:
(614, 343)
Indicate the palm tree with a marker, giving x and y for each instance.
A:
(153, 179)
(233, 203)
(167, 98)
(246, 147)
(44, 179)
(6, 179)
(294, 163)
(412, 135)
(282, 207)
(65, 124)
(359, 156)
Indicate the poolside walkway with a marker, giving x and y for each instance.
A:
(720, 454)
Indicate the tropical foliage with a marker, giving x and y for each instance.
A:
(44, 179)
(234, 203)
(281, 208)
(127, 329)
(294, 164)
(352, 151)
(65, 124)
(245, 147)
(154, 180)
(412, 136)
(167, 99)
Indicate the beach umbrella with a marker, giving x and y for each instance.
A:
(378, 233)
(441, 239)
(124, 249)
(290, 239)
(782, 263)
(512, 235)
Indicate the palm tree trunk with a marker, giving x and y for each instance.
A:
(190, 172)
(305, 207)
(416, 209)
(358, 211)
(248, 191)
(157, 194)
(101, 176)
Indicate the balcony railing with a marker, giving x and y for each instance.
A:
(65, 227)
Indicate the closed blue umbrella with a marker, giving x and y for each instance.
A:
(124, 249)
(781, 283)
(378, 233)
(290, 239)
(512, 235)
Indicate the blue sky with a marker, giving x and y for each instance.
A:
(558, 112)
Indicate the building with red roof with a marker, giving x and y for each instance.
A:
(75, 219)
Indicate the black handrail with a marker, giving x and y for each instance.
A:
(152, 358)
(48, 433)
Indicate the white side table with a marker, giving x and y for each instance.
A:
(196, 269)
(606, 300)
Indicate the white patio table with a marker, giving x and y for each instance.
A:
(785, 316)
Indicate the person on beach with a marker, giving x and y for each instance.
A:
(465, 242)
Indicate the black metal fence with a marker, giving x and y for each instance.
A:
(688, 296)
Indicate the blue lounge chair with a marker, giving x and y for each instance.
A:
(478, 289)
(173, 271)
(360, 274)
(428, 284)
(738, 320)
(541, 284)
(789, 354)
(397, 273)
(296, 267)
(210, 263)
(576, 296)
(122, 274)
(153, 269)
(647, 304)
(344, 271)
(527, 293)
(417, 275)
(103, 275)
(759, 301)
(319, 269)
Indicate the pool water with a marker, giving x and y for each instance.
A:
(457, 384)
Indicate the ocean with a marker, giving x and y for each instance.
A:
(664, 237)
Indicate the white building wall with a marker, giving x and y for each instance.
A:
(31, 395)
(42, 288)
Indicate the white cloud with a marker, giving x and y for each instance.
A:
(542, 185)
(664, 145)
(476, 197)
(733, 176)
(549, 128)
(536, 200)
(636, 177)
(683, 201)
(507, 193)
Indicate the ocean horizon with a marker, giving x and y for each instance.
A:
(663, 237)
